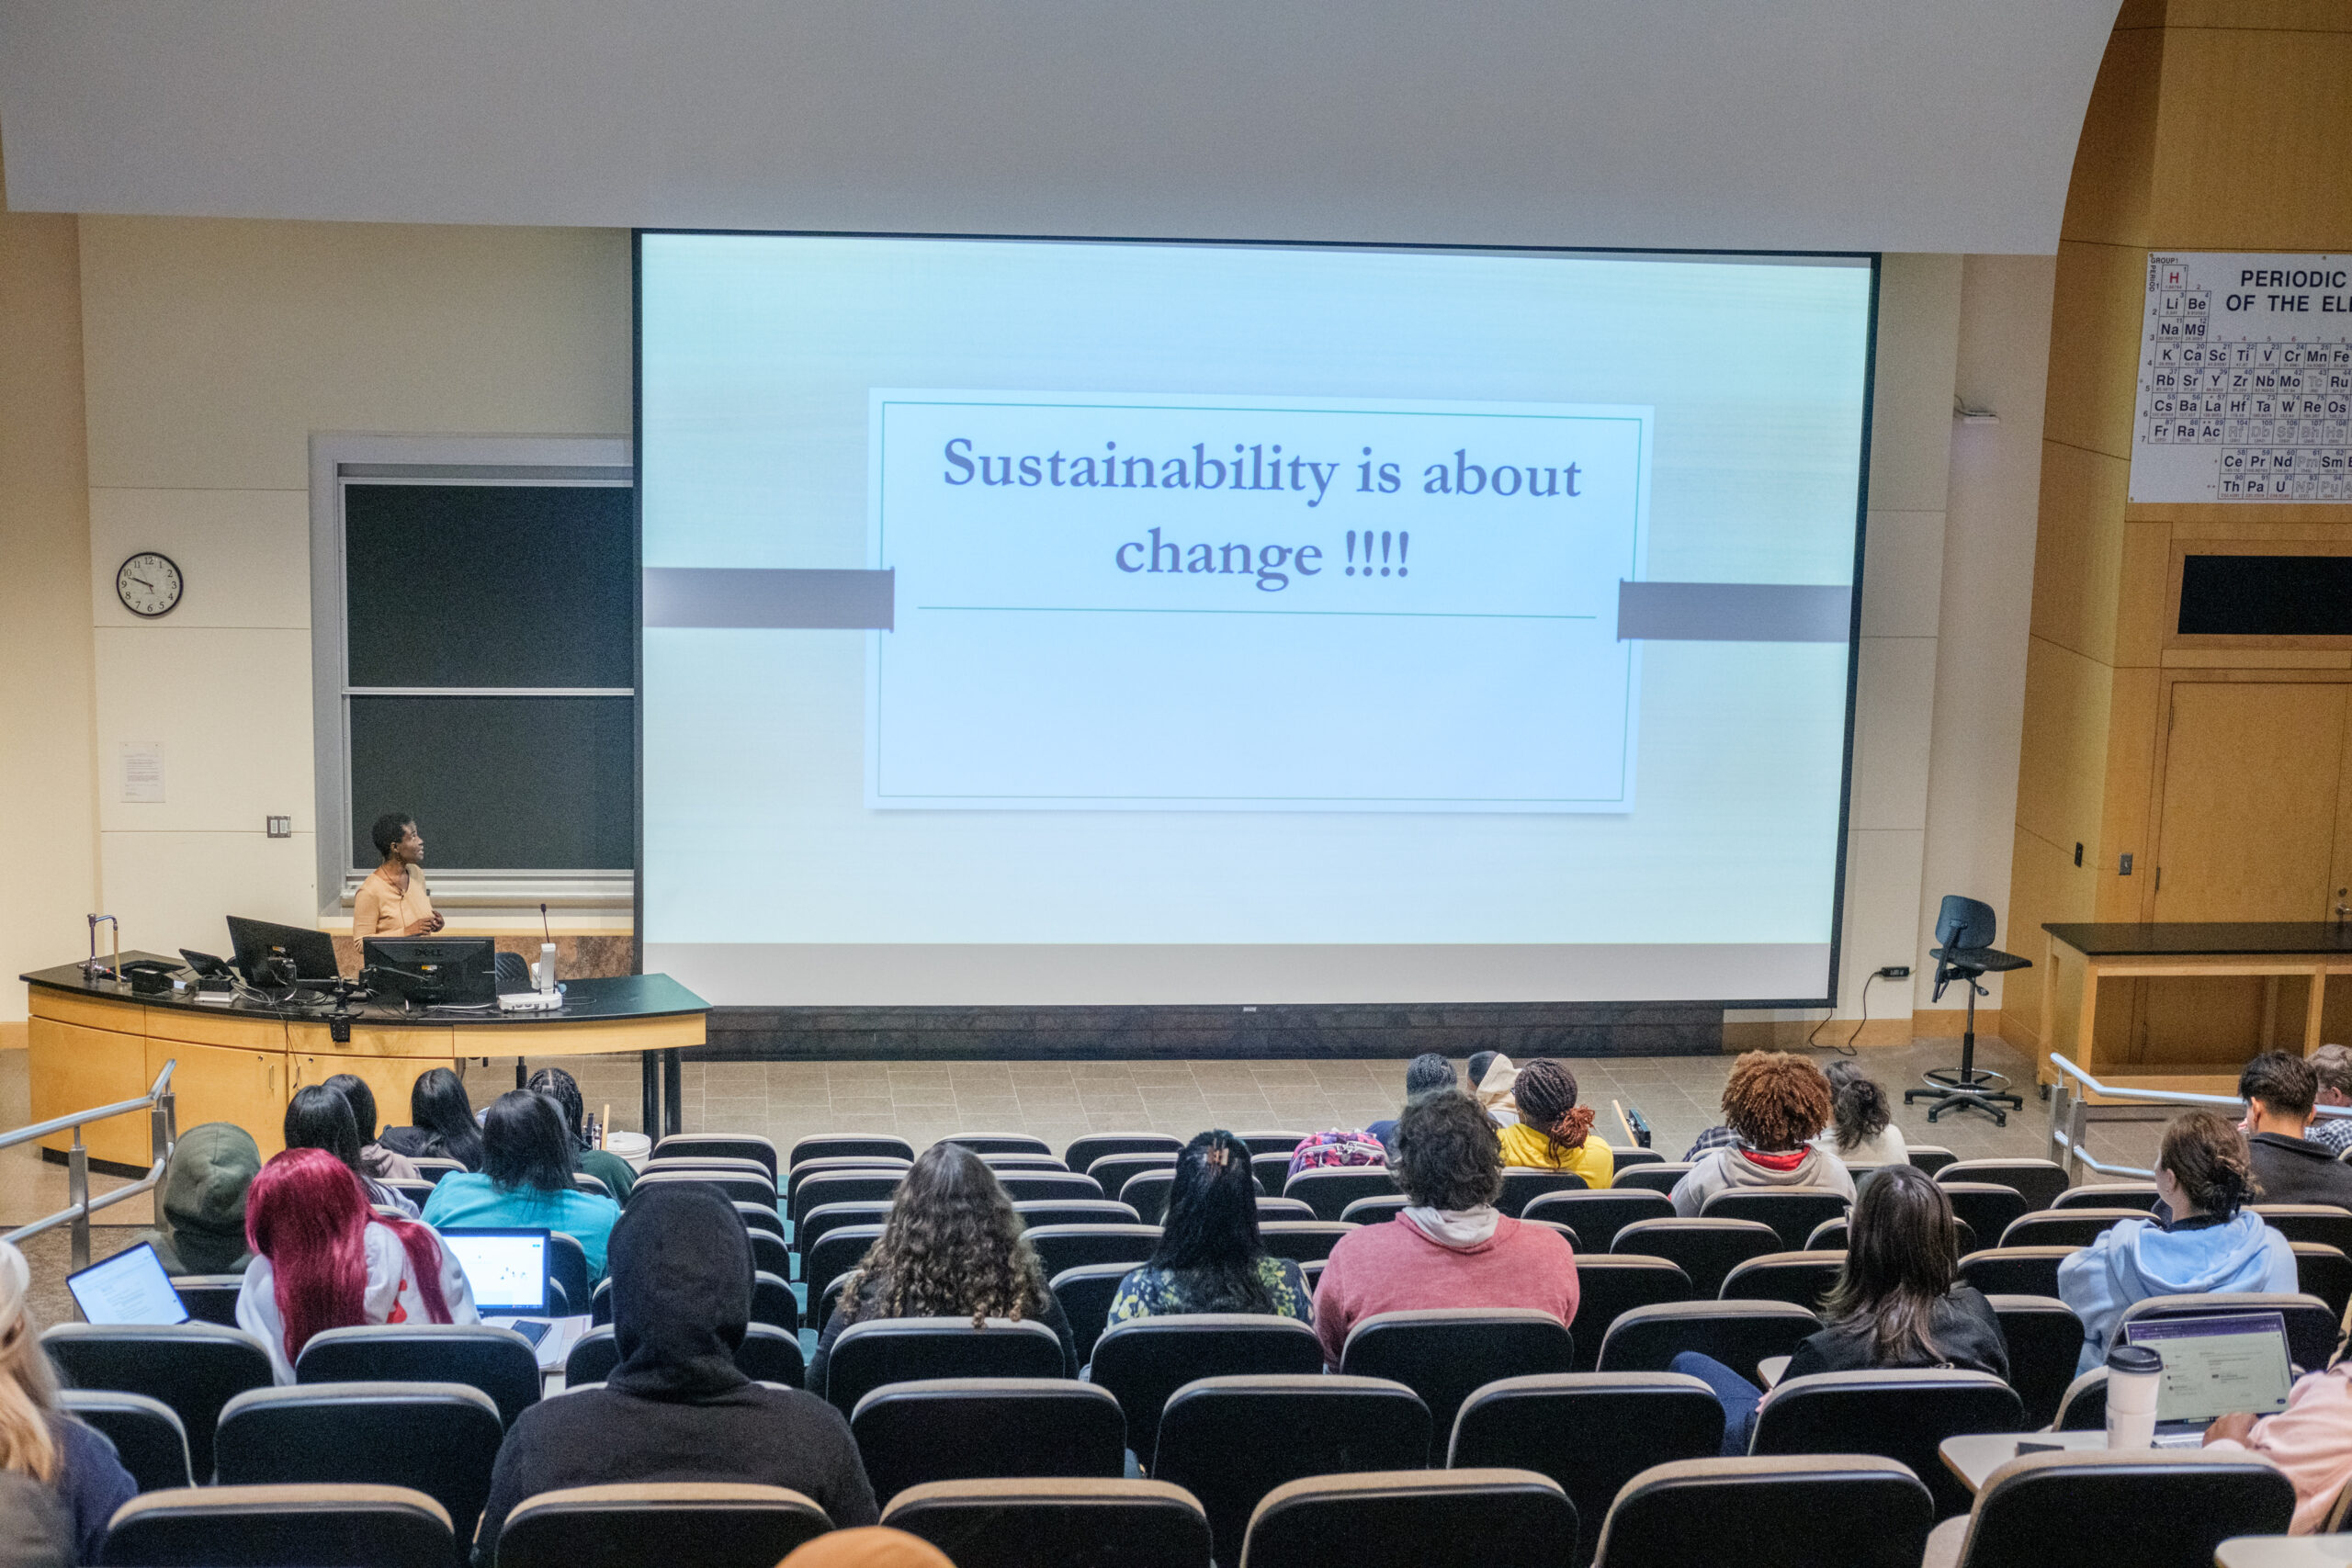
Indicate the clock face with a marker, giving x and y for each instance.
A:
(148, 584)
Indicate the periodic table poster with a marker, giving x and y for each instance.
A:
(2245, 380)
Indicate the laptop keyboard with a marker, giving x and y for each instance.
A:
(532, 1328)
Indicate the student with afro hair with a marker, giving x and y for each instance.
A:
(1778, 1103)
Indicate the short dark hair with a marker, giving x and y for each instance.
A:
(389, 830)
(2282, 1080)
(524, 1143)
(362, 1101)
(1447, 1156)
(1428, 1071)
(1477, 1064)
(320, 1118)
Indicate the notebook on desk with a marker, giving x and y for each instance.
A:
(2214, 1365)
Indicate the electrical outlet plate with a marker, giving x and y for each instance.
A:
(280, 827)
(1897, 972)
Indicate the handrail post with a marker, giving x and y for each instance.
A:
(77, 1191)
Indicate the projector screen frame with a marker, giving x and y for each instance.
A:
(1533, 1013)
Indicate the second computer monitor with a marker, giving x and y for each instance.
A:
(460, 971)
(311, 951)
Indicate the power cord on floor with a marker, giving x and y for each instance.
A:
(1848, 1048)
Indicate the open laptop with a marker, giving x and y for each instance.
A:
(2214, 1365)
(508, 1272)
(130, 1287)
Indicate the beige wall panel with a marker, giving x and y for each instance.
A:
(227, 763)
(2044, 886)
(2107, 199)
(243, 554)
(215, 347)
(2143, 595)
(1918, 331)
(2135, 720)
(2094, 345)
(1894, 697)
(2252, 140)
(1882, 916)
(2063, 763)
(2078, 549)
(1902, 569)
(172, 890)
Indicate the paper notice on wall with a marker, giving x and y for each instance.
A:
(142, 772)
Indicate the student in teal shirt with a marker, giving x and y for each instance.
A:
(525, 1181)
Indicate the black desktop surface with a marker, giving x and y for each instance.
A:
(2202, 939)
(586, 1000)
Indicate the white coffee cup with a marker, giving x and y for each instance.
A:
(2134, 1376)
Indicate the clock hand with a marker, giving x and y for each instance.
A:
(144, 583)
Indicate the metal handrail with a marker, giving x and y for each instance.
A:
(2070, 1112)
(163, 1109)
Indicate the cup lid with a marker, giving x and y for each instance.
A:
(2134, 1359)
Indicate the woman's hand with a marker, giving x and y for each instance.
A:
(424, 927)
(2236, 1427)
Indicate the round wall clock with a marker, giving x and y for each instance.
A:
(149, 584)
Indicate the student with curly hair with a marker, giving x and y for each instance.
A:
(1554, 1132)
(951, 1247)
(1778, 1103)
(1861, 1121)
(1209, 1258)
(2205, 1176)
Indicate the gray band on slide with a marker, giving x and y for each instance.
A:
(1732, 611)
(755, 597)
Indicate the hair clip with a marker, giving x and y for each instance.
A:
(1216, 1155)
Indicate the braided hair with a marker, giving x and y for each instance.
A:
(1546, 1093)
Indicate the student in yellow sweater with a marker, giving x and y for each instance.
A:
(1554, 1132)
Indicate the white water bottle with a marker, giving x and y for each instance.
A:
(2134, 1375)
(547, 968)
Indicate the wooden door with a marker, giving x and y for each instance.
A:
(2252, 784)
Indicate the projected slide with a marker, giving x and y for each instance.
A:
(1038, 623)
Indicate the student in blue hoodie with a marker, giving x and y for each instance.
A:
(2206, 1177)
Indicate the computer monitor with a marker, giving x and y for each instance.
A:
(507, 1269)
(130, 1287)
(312, 952)
(2217, 1364)
(460, 971)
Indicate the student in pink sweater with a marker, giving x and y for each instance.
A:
(1451, 1247)
(2311, 1440)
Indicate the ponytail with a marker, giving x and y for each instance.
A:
(2207, 1155)
(1546, 1094)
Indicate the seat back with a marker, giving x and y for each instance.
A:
(774, 1304)
(1061, 1248)
(843, 1146)
(1802, 1279)
(1522, 1185)
(707, 1524)
(1901, 1415)
(2064, 1228)
(739, 1186)
(1000, 1143)
(759, 1217)
(1708, 1250)
(432, 1168)
(1846, 1511)
(212, 1297)
(2140, 1195)
(819, 1188)
(1792, 1211)
(1597, 1217)
(1330, 1189)
(282, 1526)
(2152, 1508)
(1415, 1518)
(731, 1164)
(2322, 1222)
(194, 1368)
(1086, 1293)
(439, 1439)
(1987, 1207)
(835, 1164)
(2323, 1271)
(725, 1145)
(1592, 1432)
(1029, 1523)
(818, 1224)
(1301, 1241)
(1112, 1171)
(767, 1355)
(2311, 1329)
(1230, 1440)
(1145, 1190)
(498, 1361)
(2046, 1339)
(1082, 1153)
(1378, 1208)
(831, 1255)
(1930, 1158)
(910, 1433)
(2038, 1181)
(1659, 1176)
(2014, 1270)
(1610, 1285)
(1076, 1211)
(1003, 1163)
(1275, 1142)
(2083, 1407)
(1442, 1354)
(592, 1184)
(1047, 1186)
(1145, 1359)
(1273, 1171)
(769, 1255)
(1737, 1334)
(147, 1437)
(1298, 1208)
(917, 1349)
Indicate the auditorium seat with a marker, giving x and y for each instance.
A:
(282, 1527)
(1271, 1170)
(769, 1255)
(915, 1350)
(2083, 1407)
(1707, 1249)
(774, 1304)
(2046, 1339)
(1301, 1241)
(843, 1146)
(707, 1524)
(1328, 1190)
(1902, 1415)
(1299, 1209)
(979, 1429)
(1443, 1354)
(194, 1368)
(1414, 1518)
(2064, 1228)
(1802, 1279)
(418, 1192)
(733, 1146)
(1082, 1153)
(2038, 1181)
(2149, 1508)
(498, 1361)
(1262, 1144)
(1737, 1334)
(1047, 1186)
(2311, 1329)
(600, 1304)
(835, 1164)
(1598, 1216)
(2322, 1222)
(439, 1439)
(1831, 1235)
(1001, 1164)
(742, 1187)
(1061, 1248)
(1145, 1359)
(1625, 1156)
(146, 1434)
(1112, 1171)
(1560, 1228)
(1930, 1158)
(826, 1218)
(1032, 1523)
(1792, 1211)
(833, 1255)
(1592, 1432)
(1145, 1190)
(432, 1168)
(1659, 1176)
(592, 1184)
(1522, 1185)
(1000, 1143)
(1076, 1211)
(1987, 1208)
(1610, 1285)
(1086, 1293)
(212, 1297)
(1377, 1209)
(2325, 1272)
(1843, 1511)
(1230, 1440)
(761, 1217)
(767, 1355)
(727, 1164)
(2140, 1195)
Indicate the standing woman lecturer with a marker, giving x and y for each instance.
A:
(392, 901)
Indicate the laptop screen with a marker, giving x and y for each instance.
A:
(130, 1287)
(506, 1271)
(2215, 1365)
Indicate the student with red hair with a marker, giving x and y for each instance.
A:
(324, 1259)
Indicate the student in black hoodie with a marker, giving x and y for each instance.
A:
(676, 1408)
